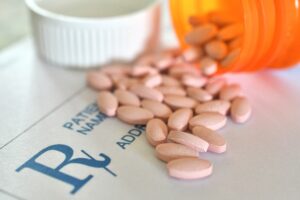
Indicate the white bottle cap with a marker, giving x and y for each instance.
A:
(89, 33)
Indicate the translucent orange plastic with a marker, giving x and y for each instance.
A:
(272, 29)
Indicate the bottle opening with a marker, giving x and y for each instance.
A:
(226, 16)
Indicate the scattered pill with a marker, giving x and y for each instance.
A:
(99, 80)
(116, 69)
(216, 49)
(231, 57)
(188, 140)
(132, 82)
(192, 54)
(179, 61)
(217, 143)
(156, 132)
(240, 110)
(142, 70)
(179, 119)
(208, 66)
(235, 43)
(107, 103)
(190, 80)
(171, 151)
(214, 121)
(134, 115)
(199, 94)
(125, 83)
(164, 63)
(147, 93)
(171, 90)
(127, 98)
(158, 109)
(176, 102)
(146, 59)
(180, 70)
(189, 168)
(229, 92)
(201, 34)
(214, 86)
(170, 81)
(116, 77)
(121, 82)
(178, 95)
(152, 80)
(219, 106)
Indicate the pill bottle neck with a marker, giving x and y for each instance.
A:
(271, 30)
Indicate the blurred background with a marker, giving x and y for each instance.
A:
(13, 22)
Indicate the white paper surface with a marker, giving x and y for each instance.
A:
(37, 100)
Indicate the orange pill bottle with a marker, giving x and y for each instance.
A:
(271, 37)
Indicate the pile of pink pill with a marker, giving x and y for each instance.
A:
(180, 106)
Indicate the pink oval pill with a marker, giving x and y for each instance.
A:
(120, 82)
(107, 103)
(146, 59)
(147, 93)
(230, 92)
(219, 106)
(99, 80)
(216, 49)
(179, 61)
(115, 78)
(208, 66)
(156, 131)
(215, 85)
(152, 80)
(164, 63)
(189, 168)
(127, 98)
(209, 120)
(171, 151)
(171, 90)
(132, 82)
(192, 54)
(190, 80)
(240, 110)
(176, 102)
(199, 94)
(179, 119)
(188, 140)
(142, 70)
(170, 81)
(116, 69)
(201, 34)
(123, 82)
(157, 108)
(178, 71)
(217, 143)
(134, 115)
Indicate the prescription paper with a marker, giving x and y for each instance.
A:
(54, 143)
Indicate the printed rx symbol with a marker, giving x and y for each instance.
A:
(68, 153)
